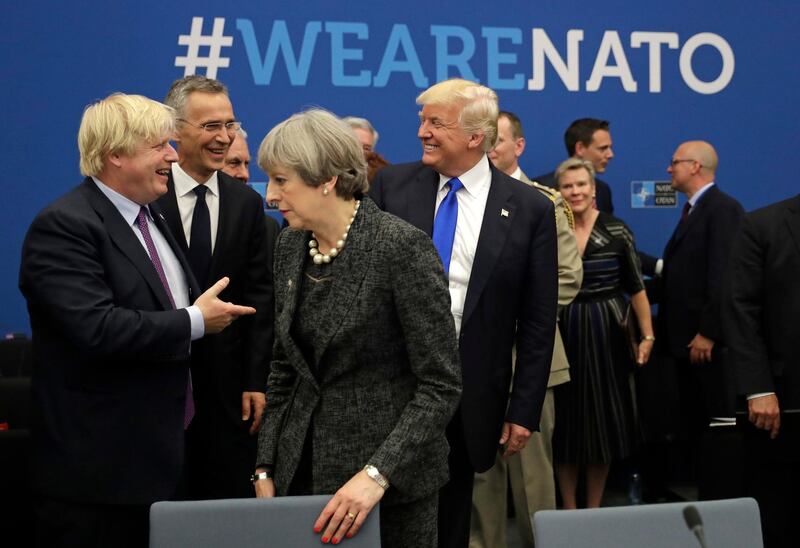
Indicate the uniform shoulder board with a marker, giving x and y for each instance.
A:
(546, 190)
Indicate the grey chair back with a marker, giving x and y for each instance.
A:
(728, 523)
(281, 522)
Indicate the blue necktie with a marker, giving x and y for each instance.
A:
(444, 225)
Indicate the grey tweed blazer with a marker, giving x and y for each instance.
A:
(389, 378)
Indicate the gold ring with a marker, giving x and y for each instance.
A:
(351, 515)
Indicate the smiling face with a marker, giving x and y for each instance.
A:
(577, 188)
(142, 176)
(203, 152)
(446, 147)
(299, 203)
(599, 151)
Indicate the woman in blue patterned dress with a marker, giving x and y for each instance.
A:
(595, 420)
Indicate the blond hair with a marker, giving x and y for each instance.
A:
(118, 124)
(571, 164)
(478, 103)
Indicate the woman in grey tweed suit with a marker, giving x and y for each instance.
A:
(365, 373)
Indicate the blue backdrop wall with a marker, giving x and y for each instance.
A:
(661, 72)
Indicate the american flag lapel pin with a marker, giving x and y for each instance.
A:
(504, 213)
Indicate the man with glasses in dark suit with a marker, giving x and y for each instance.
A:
(220, 224)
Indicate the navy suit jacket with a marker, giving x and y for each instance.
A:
(761, 324)
(694, 273)
(602, 190)
(111, 355)
(511, 298)
(236, 360)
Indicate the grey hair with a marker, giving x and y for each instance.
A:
(571, 164)
(317, 146)
(179, 91)
(242, 133)
(362, 123)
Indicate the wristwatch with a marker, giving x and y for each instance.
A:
(373, 473)
(260, 476)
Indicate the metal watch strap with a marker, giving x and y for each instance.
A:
(374, 474)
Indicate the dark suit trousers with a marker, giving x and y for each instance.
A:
(219, 459)
(455, 498)
(772, 477)
(70, 524)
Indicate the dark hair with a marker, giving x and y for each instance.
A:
(582, 131)
(516, 124)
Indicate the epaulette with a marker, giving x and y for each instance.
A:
(546, 190)
(554, 196)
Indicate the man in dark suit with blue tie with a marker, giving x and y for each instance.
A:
(689, 324)
(109, 295)
(220, 224)
(497, 241)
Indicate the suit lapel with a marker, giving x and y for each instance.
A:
(158, 217)
(696, 213)
(126, 241)
(422, 200)
(225, 226)
(169, 207)
(291, 279)
(793, 221)
(494, 231)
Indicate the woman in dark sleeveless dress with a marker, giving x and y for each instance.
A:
(595, 412)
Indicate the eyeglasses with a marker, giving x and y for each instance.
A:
(214, 127)
(673, 163)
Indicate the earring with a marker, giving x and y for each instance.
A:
(325, 190)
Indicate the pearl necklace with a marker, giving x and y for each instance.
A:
(318, 256)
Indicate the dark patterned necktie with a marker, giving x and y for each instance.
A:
(685, 213)
(200, 238)
(141, 222)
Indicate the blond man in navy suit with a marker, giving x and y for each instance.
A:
(110, 295)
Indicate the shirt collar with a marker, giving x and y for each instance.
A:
(475, 179)
(184, 183)
(126, 207)
(517, 174)
(693, 200)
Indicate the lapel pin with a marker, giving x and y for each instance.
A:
(504, 213)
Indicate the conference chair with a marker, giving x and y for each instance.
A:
(281, 522)
(728, 523)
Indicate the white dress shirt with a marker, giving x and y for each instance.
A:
(471, 205)
(184, 192)
(176, 277)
